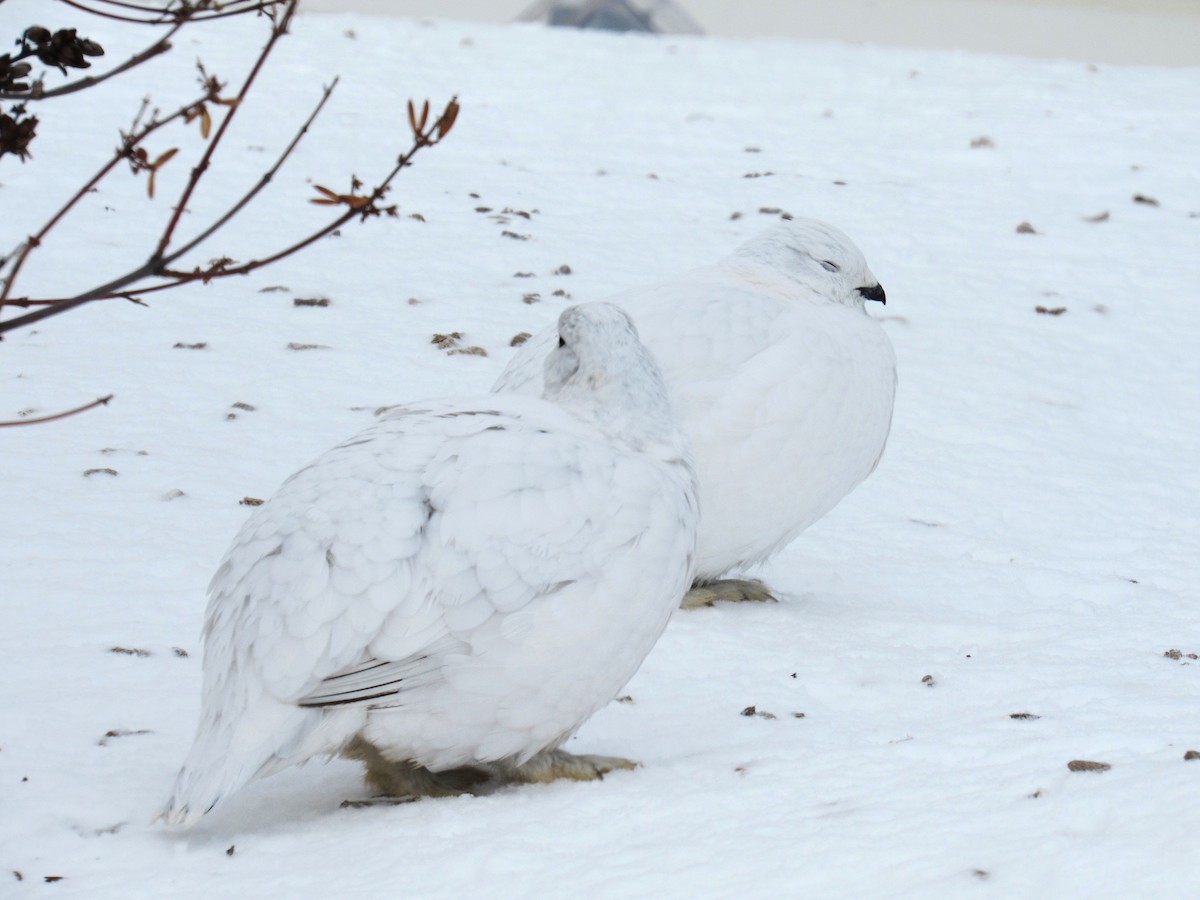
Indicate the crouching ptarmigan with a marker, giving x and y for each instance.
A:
(780, 379)
(451, 593)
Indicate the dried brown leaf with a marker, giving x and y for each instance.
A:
(448, 119)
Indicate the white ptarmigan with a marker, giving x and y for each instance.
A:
(781, 380)
(451, 593)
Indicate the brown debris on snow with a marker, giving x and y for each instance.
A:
(130, 651)
(755, 711)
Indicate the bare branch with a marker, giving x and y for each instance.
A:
(186, 248)
(362, 206)
(37, 92)
(195, 12)
(103, 401)
(222, 267)
(129, 150)
(278, 29)
(263, 181)
(125, 151)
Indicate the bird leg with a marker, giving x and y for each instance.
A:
(403, 781)
(732, 589)
(551, 765)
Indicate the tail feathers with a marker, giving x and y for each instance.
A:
(198, 790)
(228, 755)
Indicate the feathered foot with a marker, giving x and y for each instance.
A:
(402, 782)
(551, 765)
(734, 590)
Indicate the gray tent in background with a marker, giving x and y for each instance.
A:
(654, 16)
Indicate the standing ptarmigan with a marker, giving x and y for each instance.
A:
(451, 593)
(782, 382)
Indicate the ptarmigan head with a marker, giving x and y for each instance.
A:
(601, 371)
(814, 255)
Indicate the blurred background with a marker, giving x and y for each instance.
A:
(1144, 32)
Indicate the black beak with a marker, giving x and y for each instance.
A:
(874, 292)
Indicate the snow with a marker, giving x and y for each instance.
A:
(1030, 540)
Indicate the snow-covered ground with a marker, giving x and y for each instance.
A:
(1029, 545)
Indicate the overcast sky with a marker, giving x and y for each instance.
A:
(1165, 32)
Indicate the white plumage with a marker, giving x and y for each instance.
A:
(463, 583)
(780, 379)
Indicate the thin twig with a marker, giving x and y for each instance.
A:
(278, 29)
(37, 93)
(159, 262)
(262, 182)
(428, 138)
(124, 152)
(156, 262)
(184, 5)
(160, 16)
(103, 401)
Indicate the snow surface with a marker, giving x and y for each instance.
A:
(1030, 541)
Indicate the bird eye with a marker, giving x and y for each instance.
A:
(830, 266)
(561, 342)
